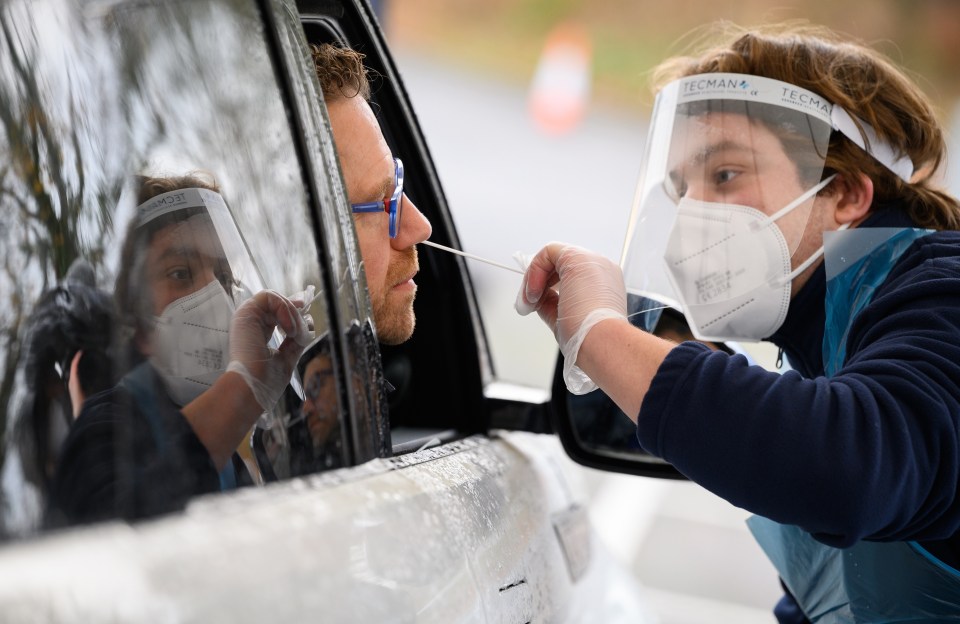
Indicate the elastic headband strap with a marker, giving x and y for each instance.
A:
(866, 138)
(747, 87)
(181, 199)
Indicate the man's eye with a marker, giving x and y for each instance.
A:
(725, 175)
(179, 274)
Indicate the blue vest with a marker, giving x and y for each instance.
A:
(869, 581)
(141, 384)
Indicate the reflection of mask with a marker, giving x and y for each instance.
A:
(730, 268)
(192, 342)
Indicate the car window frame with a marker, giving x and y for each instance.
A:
(352, 23)
(365, 425)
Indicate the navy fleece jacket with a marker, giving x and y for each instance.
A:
(871, 453)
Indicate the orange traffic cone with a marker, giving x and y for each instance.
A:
(560, 90)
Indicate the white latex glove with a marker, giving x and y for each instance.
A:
(303, 300)
(266, 370)
(587, 289)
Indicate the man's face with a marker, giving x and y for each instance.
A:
(727, 158)
(181, 259)
(390, 263)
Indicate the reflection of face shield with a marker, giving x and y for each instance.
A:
(196, 271)
(312, 438)
(319, 402)
(195, 227)
(732, 169)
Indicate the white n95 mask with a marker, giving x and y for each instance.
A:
(192, 342)
(730, 267)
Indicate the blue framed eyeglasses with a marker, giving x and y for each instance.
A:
(392, 205)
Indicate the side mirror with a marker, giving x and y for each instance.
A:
(593, 430)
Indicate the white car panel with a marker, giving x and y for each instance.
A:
(465, 532)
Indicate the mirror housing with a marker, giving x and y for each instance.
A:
(593, 430)
(597, 434)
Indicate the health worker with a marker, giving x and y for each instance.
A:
(788, 194)
(205, 359)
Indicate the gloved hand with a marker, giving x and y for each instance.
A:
(303, 300)
(588, 289)
(266, 370)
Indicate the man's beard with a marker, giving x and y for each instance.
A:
(393, 312)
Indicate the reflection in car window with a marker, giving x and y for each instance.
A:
(314, 429)
(91, 95)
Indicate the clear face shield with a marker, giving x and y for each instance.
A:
(194, 270)
(193, 241)
(726, 213)
(728, 189)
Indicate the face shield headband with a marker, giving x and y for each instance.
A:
(748, 143)
(245, 276)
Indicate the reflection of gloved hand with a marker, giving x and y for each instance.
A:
(266, 370)
(589, 289)
(303, 300)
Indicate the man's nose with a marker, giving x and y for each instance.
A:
(414, 227)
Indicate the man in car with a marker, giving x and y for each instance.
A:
(374, 179)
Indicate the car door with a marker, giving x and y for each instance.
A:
(417, 514)
(523, 536)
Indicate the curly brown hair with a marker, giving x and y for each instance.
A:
(851, 75)
(340, 71)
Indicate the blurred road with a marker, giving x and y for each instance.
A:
(513, 189)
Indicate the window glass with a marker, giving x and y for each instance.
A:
(155, 229)
(365, 398)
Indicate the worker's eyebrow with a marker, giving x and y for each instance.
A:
(703, 154)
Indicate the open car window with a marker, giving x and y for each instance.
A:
(111, 281)
(437, 376)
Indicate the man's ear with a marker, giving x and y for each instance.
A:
(854, 198)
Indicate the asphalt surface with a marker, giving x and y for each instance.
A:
(512, 189)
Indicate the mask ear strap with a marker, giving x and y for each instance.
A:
(806, 263)
(863, 134)
(807, 195)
